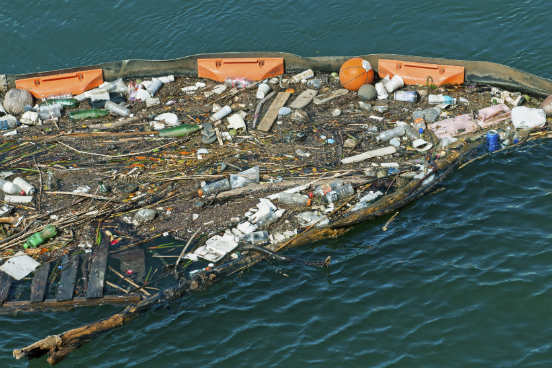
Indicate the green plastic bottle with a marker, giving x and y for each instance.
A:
(88, 114)
(179, 131)
(38, 238)
(68, 102)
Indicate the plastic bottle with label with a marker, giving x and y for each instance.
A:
(441, 99)
(27, 188)
(334, 191)
(245, 177)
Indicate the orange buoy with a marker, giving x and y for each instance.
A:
(355, 72)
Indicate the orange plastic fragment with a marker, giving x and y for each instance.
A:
(421, 73)
(255, 69)
(61, 84)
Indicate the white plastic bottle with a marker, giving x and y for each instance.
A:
(390, 133)
(9, 188)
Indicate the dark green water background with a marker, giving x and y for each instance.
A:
(461, 279)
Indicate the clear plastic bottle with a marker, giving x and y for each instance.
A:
(334, 191)
(294, 199)
(390, 133)
(256, 238)
(9, 188)
(406, 96)
(28, 188)
(214, 187)
(117, 109)
(245, 177)
(238, 82)
(52, 111)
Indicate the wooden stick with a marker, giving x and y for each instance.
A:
(185, 248)
(88, 195)
(384, 228)
(129, 281)
(115, 286)
(116, 156)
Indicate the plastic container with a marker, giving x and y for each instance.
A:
(117, 109)
(262, 90)
(9, 188)
(8, 122)
(154, 86)
(527, 117)
(238, 82)
(221, 113)
(393, 84)
(245, 177)
(493, 141)
(179, 131)
(390, 133)
(406, 96)
(27, 188)
(441, 99)
(214, 187)
(256, 238)
(36, 239)
(382, 92)
(293, 199)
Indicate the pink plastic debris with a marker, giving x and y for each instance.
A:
(453, 127)
(492, 115)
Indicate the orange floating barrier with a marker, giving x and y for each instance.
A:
(61, 84)
(254, 69)
(421, 73)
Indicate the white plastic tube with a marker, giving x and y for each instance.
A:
(394, 84)
(221, 113)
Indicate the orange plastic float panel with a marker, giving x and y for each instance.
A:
(421, 73)
(60, 84)
(250, 68)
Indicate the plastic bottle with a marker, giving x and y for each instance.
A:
(245, 177)
(88, 114)
(390, 133)
(294, 199)
(9, 188)
(27, 188)
(117, 109)
(262, 90)
(441, 99)
(238, 82)
(214, 187)
(334, 191)
(406, 96)
(7, 123)
(221, 113)
(303, 75)
(256, 238)
(179, 131)
(49, 111)
(66, 102)
(154, 86)
(36, 239)
(411, 132)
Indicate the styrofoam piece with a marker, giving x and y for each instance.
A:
(235, 121)
(19, 266)
(389, 150)
(169, 118)
(528, 118)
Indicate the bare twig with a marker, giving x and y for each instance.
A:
(116, 156)
(185, 248)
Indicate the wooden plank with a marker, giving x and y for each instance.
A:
(40, 283)
(66, 286)
(5, 284)
(98, 265)
(53, 304)
(272, 113)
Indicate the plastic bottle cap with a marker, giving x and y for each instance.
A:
(200, 192)
(309, 202)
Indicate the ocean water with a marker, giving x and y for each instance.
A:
(462, 278)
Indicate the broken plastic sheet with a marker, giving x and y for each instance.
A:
(19, 266)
